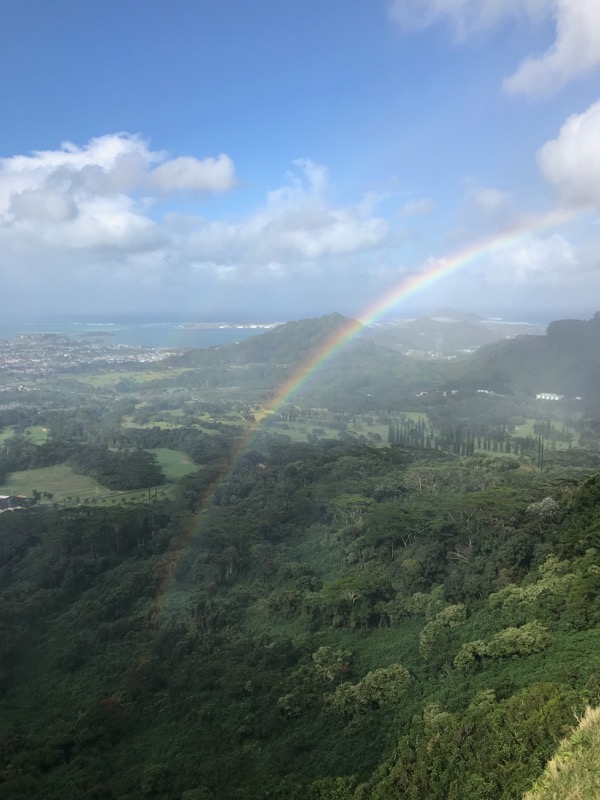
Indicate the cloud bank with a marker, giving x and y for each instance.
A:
(100, 223)
(91, 197)
(100, 227)
(574, 52)
(571, 162)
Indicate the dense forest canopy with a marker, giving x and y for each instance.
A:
(391, 594)
(341, 621)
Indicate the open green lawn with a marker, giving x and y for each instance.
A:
(298, 431)
(60, 480)
(36, 434)
(174, 463)
(64, 484)
(106, 380)
(128, 423)
(382, 430)
(526, 429)
(416, 416)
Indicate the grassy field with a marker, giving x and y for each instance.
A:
(128, 423)
(66, 486)
(60, 480)
(416, 416)
(108, 380)
(174, 463)
(36, 434)
(526, 429)
(297, 431)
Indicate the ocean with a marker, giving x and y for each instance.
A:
(139, 334)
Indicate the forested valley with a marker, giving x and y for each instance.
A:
(312, 602)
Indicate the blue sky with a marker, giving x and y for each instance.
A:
(212, 159)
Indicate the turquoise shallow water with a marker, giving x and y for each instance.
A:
(150, 334)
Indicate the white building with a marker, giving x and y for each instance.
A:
(549, 396)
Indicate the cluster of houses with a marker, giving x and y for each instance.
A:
(549, 396)
(553, 396)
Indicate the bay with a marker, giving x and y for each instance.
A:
(174, 335)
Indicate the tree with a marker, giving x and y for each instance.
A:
(331, 664)
(432, 635)
(379, 688)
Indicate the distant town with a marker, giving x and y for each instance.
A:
(40, 355)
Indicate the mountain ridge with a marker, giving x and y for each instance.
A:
(564, 361)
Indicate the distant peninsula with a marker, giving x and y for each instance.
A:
(225, 325)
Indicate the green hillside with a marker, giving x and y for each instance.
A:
(286, 344)
(565, 361)
(315, 621)
(443, 336)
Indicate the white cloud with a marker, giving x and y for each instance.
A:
(484, 210)
(574, 52)
(39, 205)
(536, 260)
(296, 223)
(487, 207)
(571, 162)
(554, 265)
(533, 272)
(77, 225)
(418, 207)
(465, 17)
(86, 198)
(489, 201)
(108, 165)
(191, 175)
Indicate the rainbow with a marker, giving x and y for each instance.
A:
(432, 271)
(428, 275)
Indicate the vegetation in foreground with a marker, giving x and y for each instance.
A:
(341, 621)
(574, 772)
